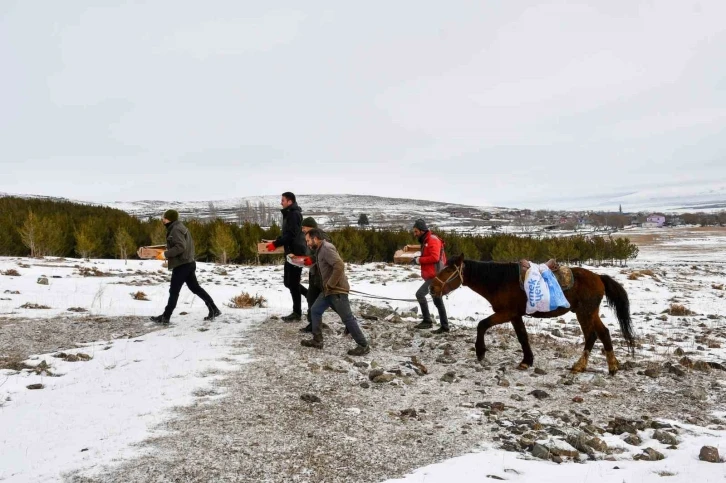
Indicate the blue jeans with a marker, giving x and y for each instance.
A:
(341, 304)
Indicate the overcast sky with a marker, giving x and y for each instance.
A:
(471, 102)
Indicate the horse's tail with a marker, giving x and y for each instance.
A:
(617, 300)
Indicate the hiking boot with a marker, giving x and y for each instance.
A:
(214, 312)
(293, 317)
(440, 330)
(316, 342)
(160, 319)
(360, 350)
(307, 329)
(426, 324)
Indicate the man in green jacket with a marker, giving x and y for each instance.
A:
(335, 294)
(180, 258)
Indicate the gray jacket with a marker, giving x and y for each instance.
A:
(332, 269)
(179, 245)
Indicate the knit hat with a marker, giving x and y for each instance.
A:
(421, 225)
(309, 222)
(171, 215)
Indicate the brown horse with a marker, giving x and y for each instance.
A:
(499, 284)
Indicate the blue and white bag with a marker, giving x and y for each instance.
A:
(544, 294)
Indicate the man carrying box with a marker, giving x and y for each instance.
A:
(180, 259)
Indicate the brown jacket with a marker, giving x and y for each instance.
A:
(332, 269)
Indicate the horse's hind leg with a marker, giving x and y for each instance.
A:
(588, 331)
(604, 334)
(523, 338)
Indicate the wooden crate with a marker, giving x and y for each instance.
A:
(406, 254)
(262, 249)
(151, 252)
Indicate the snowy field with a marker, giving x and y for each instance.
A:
(94, 409)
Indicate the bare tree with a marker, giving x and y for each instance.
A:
(30, 233)
(123, 243)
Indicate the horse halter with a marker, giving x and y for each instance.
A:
(458, 274)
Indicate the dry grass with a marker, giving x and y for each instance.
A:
(638, 274)
(139, 296)
(77, 309)
(11, 272)
(30, 305)
(245, 300)
(678, 309)
(92, 272)
(717, 286)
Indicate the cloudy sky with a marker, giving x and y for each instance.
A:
(480, 102)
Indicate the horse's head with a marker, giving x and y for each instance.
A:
(449, 278)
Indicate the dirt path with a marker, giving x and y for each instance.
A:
(297, 414)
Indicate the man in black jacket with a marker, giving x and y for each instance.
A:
(293, 240)
(180, 259)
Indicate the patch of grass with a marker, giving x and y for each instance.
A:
(91, 272)
(245, 300)
(30, 305)
(665, 473)
(717, 286)
(638, 274)
(678, 309)
(77, 309)
(139, 296)
(11, 272)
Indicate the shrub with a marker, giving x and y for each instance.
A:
(139, 296)
(245, 300)
(11, 272)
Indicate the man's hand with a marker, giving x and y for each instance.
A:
(415, 261)
(160, 256)
(271, 247)
(308, 261)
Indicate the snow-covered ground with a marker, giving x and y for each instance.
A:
(94, 412)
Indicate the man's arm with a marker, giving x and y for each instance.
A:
(177, 244)
(293, 226)
(433, 251)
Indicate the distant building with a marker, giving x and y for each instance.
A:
(654, 220)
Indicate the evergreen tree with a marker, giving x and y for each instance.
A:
(123, 243)
(222, 243)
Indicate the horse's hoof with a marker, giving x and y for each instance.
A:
(612, 372)
(522, 366)
(577, 369)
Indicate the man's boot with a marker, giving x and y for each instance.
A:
(360, 350)
(293, 317)
(426, 324)
(307, 329)
(160, 319)
(441, 330)
(214, 312)
(316, 342)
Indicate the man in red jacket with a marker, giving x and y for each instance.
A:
(432, 260)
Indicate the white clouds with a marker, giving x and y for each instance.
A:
(495, 91)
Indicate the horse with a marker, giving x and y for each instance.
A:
(498, 282)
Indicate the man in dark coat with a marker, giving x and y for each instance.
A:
(180, 260)
(293, 240)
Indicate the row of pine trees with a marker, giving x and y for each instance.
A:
(41, 227)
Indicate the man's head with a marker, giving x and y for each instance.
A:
(419, 227)
(308, 224)
(287, 199)
(314, 238)
(170, 216)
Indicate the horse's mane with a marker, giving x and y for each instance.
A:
(490, 274)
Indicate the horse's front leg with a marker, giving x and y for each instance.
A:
(495, 319)
(479, 345)
(521, 330)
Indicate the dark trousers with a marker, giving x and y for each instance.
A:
(438, 302)
(179, 276)
(314, 292)
(341, 304)
(291, 278)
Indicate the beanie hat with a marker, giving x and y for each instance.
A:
(421, 225)
(171, 215)
(309, 222)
